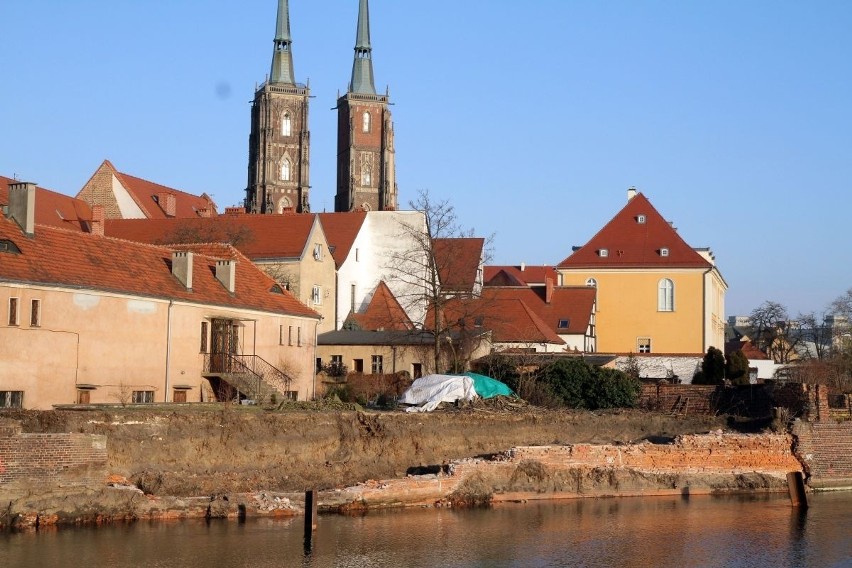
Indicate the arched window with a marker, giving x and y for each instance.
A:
(366, 122)
(592, 283)
(286, 125)
(665, 295)
(285, 170)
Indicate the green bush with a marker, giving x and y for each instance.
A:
(712, 368)
(577, 384)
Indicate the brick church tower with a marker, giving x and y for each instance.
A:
(366, 170)
(279, 144)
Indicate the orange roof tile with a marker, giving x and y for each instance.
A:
(572, 303)
(517, 276)
(341, 229)
(510, 320)
(458, 261)
(256, 236)
(79, 260)
(54, 209)
(384, 313)
(633, 244)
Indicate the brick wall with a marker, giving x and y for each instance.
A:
(51, 460)
(826, 450)
(755, 401)
(682, 399)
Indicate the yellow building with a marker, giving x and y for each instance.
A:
(655, 293)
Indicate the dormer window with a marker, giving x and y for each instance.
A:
(9, 246)
(641, 219)
(664, 251)
(603, 253)
(564, 323)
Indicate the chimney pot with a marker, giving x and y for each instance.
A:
(226, 273)
(22, 205)
(98, 217)
(182, 267)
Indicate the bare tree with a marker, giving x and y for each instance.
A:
(842, 305)
(417, 270)
(772, 331)
(816, 334)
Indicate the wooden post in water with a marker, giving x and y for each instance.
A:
(796, 486)
(310, 512)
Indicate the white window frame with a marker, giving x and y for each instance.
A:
(664, 251)
(318, 252)
(142, 397)
(592, 282)
(603, 253)
(316, 295)
(377, 363)
(641, 219)
(643, 345)
(666, 295)
(366, 122)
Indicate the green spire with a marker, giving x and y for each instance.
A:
(362, 68)
(282, 56)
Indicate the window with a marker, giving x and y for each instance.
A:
(352, 298)
(377, 365)
(35, 313)
(290, 335)
(337, 359)
(603, 253)
(664, 251)
(11, 399)
(143, 397)
(592, 283)
(564, 323)
(280, 335)
(641, 219)
(665, 296)
(13, 311)
(316, 295)
(357, 255)
(358, 365)
(285, 170)
(204, 326)
(643, 345)
(367, 176)
(84, 396)
(286, 125)
(417, 370)
(318, 252)
(319, 365)
(366, 122)
(298, 336)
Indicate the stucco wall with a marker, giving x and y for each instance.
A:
(627, 309)
(119, 344)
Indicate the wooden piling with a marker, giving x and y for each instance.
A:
(796, 487)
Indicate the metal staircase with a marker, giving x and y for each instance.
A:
(250, 376)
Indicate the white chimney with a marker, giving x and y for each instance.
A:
(523, 266)
(631, 193)
(22, 205)
(226, 273)
(182, 267)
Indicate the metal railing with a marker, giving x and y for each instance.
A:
(248, 372)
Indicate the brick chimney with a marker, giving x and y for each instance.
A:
(226, 273)
(548, 289)
(96, 227)
(235, 210)
(22, 205)
(205, 213)
(182, 267)
(168, 203)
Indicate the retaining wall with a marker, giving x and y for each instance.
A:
(826, 450)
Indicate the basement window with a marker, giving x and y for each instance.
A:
(11, 399)
(143, 397)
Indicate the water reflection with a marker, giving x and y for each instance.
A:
(678, 531)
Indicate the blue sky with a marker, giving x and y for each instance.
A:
(532, 117)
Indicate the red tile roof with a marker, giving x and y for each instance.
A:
(572, 303)
(146, 194)
(256, 236)
(54, 209)
(517, 276)
(78, 260)
(510, 319)
(458, 261)
(631, 244)
(384, 313)
(340, 231)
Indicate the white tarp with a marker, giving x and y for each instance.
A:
(430, 391)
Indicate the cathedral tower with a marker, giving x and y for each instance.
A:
(279, 144)
(366, 170)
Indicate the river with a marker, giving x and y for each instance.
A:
(628, 532)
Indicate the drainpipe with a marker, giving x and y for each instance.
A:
(168, 349)
(704, 309)
(314, 361)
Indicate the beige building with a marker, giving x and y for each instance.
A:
(91, 319)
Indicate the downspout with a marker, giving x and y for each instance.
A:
(704, 308)
(168, 349)
(314, 362)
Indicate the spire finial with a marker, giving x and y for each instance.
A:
(362, 68)
(282, 56)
